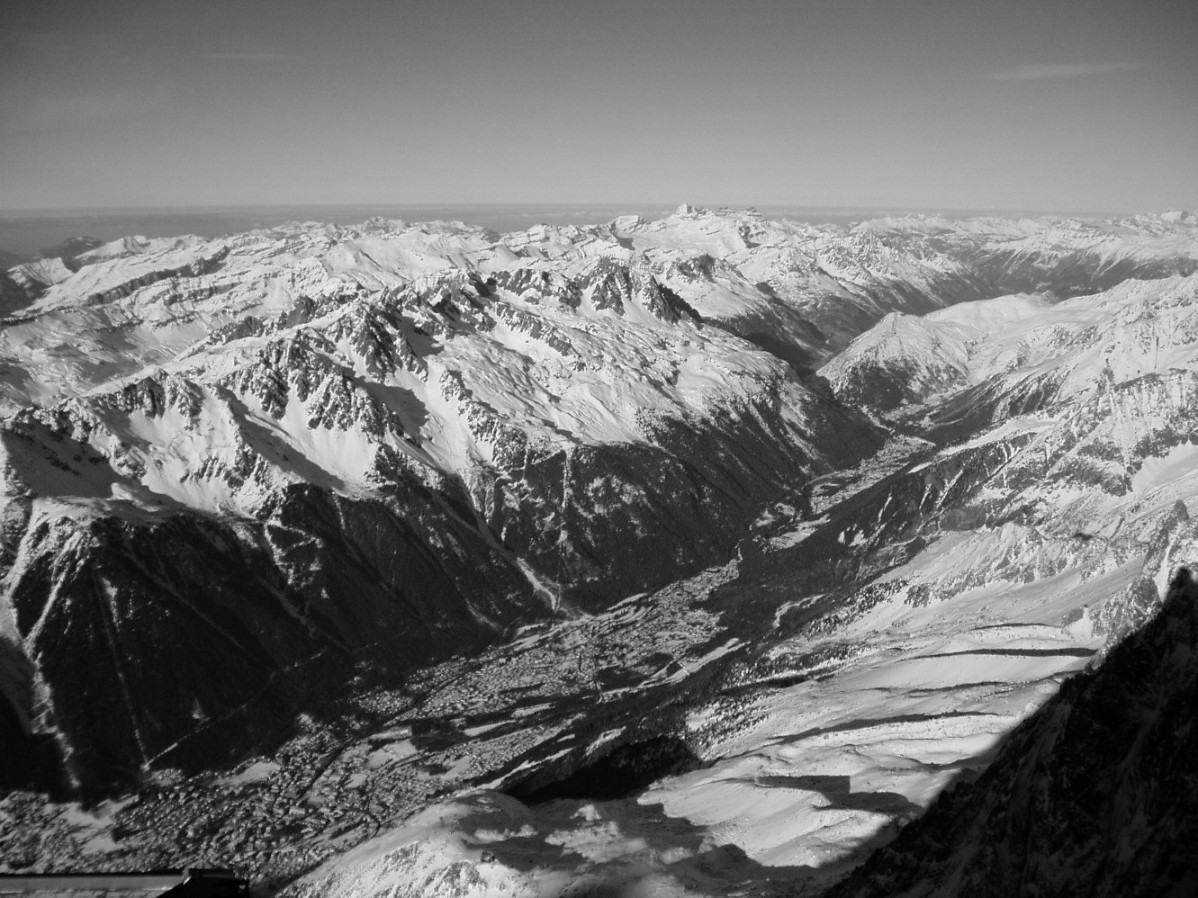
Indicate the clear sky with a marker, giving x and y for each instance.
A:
(1056, 105)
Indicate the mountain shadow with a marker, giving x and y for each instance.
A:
(1096, 794)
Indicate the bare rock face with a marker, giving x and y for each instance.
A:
(279, 476)
(1093, 795)
(160, 642)
(240, 475)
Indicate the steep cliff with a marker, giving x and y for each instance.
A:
(1092, 795)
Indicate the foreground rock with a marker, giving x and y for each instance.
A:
(1093, 795)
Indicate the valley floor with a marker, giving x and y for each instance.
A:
(814, 743)
(373, 447)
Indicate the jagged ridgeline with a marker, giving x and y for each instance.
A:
(241, 474)
(1093, 795)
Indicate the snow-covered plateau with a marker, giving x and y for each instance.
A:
(695, 556)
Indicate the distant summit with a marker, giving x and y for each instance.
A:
(70, 249)
(249, 476)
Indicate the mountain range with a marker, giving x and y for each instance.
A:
(402, 523)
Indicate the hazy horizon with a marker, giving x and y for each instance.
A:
(27, 232)
(578, 207)
(1072, 105)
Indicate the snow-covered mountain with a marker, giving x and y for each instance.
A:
(315, 449)
(247, 480)
(1093, 795)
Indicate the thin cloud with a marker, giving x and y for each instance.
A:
(1045, 71)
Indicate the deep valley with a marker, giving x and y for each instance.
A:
(698, 555)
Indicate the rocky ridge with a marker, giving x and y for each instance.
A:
(375, 447)
(1093, 795)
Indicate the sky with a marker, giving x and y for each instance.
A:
(1052, 105)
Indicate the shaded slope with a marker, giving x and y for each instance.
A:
(1094, 795)
(236, 474)
(386, 444)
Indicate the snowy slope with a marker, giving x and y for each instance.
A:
(1037, 551)
(1093, 795)
(379, 412)
(245, 476)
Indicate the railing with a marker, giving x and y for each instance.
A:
(192, 882)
